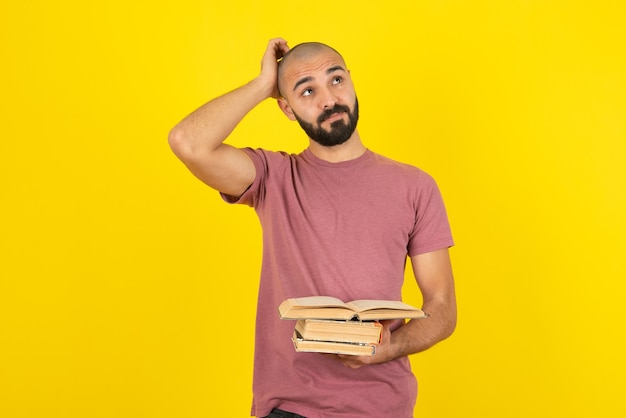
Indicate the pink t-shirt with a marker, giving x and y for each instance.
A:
(345, 230)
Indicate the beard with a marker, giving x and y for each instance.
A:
(339, 132)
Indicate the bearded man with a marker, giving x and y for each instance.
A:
(338, 219)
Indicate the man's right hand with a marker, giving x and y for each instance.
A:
(276, 49)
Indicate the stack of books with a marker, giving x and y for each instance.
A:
(326, 324)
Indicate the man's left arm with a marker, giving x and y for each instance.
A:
(433, 272)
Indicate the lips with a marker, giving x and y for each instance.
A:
(334, 116)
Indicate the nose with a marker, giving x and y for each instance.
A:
(327, 99)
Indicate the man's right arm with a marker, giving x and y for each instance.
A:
(198, 139)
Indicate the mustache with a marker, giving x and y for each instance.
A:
(335, 109)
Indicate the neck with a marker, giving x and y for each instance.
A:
(349, 150)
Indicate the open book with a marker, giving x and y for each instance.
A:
(327, 307)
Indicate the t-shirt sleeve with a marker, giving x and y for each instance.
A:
(432, 229)
(267, 165)
(251, 196)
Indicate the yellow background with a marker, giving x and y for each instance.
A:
(119, 269)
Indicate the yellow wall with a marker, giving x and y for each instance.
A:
(118, 268)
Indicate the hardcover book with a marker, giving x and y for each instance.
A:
(339, 331)
(333, 347)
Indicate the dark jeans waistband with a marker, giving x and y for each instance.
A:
(279, 413)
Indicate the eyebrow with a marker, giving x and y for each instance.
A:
(328, 71)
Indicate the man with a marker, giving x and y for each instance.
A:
(337, 220)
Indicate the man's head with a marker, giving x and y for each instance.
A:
(317, 91)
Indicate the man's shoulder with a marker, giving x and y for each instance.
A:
(400, 167)
(270, 157)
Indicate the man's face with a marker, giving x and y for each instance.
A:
(320, 96)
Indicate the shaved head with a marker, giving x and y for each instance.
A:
(299, 53)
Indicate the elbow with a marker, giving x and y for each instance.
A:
(186, 145)
(449, 325)
(177, 142)
(182, 144)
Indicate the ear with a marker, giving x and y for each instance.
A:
(284, 106)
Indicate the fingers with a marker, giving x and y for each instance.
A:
(279, 47)
(276, 49)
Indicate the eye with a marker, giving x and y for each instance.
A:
(337, 80)
(307, 92)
